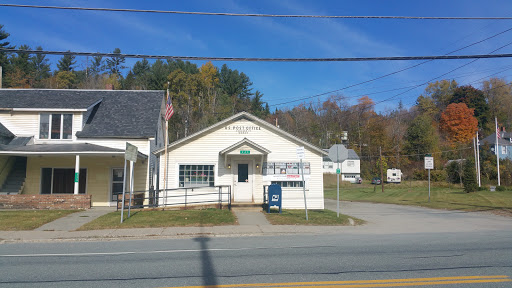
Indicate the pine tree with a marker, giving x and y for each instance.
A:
(66, 63)
(469, 179)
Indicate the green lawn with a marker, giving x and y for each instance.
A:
(29, 219)
(165, 218)
(442, 196)
(315, 217)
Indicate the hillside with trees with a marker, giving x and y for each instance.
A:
(442, 122)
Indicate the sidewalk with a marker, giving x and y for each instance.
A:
(381, 219)
(251, 223)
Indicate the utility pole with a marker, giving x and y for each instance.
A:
(381, 171)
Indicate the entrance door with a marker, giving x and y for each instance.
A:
(243, 183)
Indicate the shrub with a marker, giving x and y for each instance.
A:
(419, 174)
(501, 188)
(437, 175)
(452, 172)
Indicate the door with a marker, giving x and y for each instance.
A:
(243, 182)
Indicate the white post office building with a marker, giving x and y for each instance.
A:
(246, 153)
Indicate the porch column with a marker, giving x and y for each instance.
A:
(77, 171)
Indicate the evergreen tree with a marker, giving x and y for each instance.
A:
(66, 63)
(469, 179)
(141, 73)
(115, 64)
(97, 66)
(40, 68)
(4, 44)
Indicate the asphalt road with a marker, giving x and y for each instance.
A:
(283, 259)
(399, 247)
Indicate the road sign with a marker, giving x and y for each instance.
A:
(429, 162)
(338, 153)
(338, 171)
(130, 153)
(300, 152)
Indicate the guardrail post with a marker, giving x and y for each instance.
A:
(229, 197)
(220, 197)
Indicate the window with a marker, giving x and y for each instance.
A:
(503, 149)
(61, 181)
(196, 175)
(55, 126)
(294, 168)
(284, 184)
(117, 182)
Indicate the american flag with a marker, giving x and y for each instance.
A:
(169, 110)
(498, 134)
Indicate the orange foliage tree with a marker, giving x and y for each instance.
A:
(459, 123)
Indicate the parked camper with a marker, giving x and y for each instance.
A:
(394, 176)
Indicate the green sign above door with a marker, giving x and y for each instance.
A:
(245, 152)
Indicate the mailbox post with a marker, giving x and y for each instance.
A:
(274, 197)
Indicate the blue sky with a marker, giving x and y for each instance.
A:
(190, 35)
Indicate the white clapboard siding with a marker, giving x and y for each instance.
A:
(204, 150)
(21, 123)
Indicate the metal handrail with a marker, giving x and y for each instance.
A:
(155, 197)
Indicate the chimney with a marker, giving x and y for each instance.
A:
(109, 86)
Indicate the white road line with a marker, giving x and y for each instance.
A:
(152, 252)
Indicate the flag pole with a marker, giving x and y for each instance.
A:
(497, 150)
(166, 139)
(478, 159)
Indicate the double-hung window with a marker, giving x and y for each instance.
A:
(55, 126)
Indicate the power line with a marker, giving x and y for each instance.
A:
(394, 72)
(254, 59)
(255, 14)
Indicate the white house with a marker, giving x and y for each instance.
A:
(72, 142)
(350, 165)
(246, 153)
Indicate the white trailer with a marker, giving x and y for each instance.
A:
(394, 176)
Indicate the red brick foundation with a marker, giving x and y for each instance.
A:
(55, 201)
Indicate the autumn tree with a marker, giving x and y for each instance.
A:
(65, 79)
(458, 123)
(210, 77)
(498, 94)
(473, 98)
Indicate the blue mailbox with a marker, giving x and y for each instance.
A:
(274, 196)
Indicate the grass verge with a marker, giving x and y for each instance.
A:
(20, 220)
(316, 217)
(442, 196)
(165, 218)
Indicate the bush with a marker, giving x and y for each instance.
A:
(452, 172)
(419, 174)
(437, 175)
(501, 188)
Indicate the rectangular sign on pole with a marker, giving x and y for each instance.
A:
(300, 152)
(429, 165)
(130, 153)
(429, 162)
